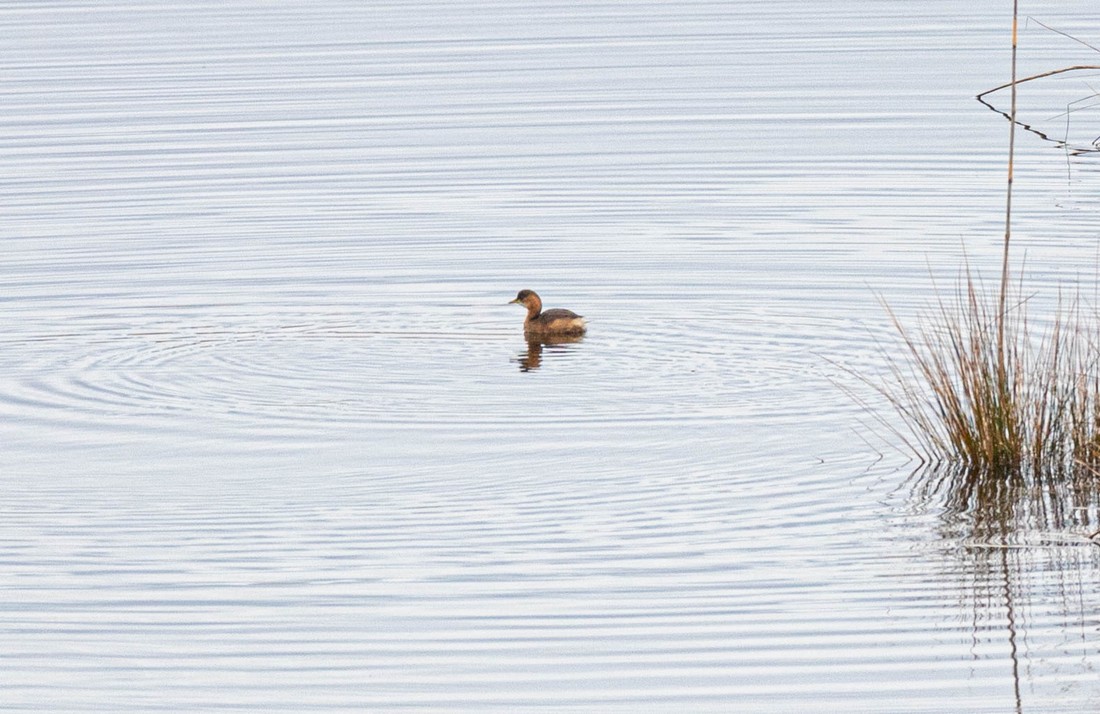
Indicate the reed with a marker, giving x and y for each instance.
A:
(978, 388)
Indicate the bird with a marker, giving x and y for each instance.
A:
(540, 323)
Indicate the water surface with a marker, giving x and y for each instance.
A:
(274, 441)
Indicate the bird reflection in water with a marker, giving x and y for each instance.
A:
(531, 360)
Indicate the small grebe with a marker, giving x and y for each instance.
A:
(550, 322)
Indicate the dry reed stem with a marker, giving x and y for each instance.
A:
(1017, 82)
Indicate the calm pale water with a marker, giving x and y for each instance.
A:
(272, 440)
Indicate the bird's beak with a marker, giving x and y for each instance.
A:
(512, 302)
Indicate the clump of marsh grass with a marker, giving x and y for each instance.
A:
(979, 389)
(1003, 411)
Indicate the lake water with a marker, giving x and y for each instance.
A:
(272, 439)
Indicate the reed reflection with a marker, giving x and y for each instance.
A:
(995, 506)
(531, 360)
(1089, 145)
(1025, 567)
